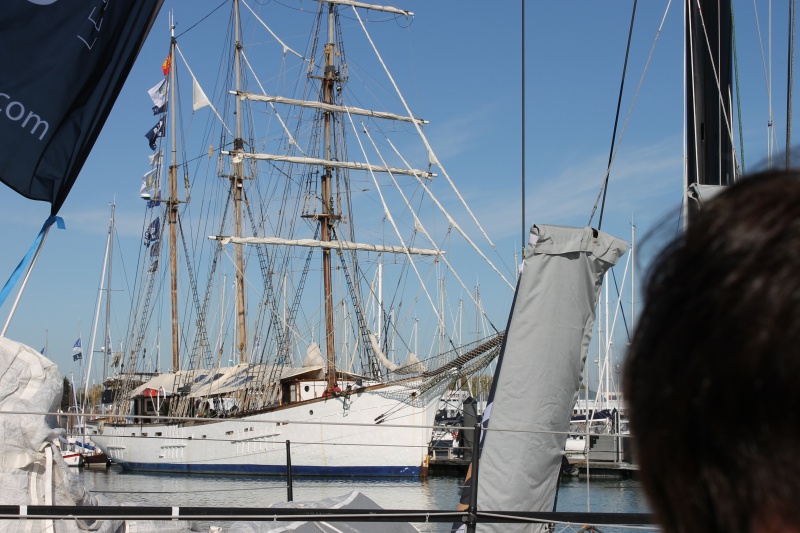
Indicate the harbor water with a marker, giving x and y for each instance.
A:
(437, 492)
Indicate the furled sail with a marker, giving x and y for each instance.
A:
(328, 107)
(539, 370)
(316, 161)
(57, 89)
(329, 245)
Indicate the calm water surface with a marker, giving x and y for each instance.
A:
(599, 495)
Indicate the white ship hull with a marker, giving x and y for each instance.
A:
(363, 433)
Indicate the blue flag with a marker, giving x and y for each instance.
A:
(77, 345)
(155, 200)
(152, 234)
(155, 132)
(42, 350)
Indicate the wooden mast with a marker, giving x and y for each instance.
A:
(237, 184)
(172, 210)
(326, 217)
(106, 328)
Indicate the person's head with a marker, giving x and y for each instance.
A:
(712, 377)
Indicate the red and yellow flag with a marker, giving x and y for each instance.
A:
(166, 64)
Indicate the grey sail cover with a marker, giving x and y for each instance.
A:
(540, 369)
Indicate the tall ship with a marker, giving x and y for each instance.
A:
(315, 260)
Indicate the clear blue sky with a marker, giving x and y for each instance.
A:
(460, 65)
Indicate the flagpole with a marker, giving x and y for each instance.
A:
(24, 282)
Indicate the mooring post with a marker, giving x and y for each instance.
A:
(289, 495)
(473, 493)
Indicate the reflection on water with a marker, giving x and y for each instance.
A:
(575, 494)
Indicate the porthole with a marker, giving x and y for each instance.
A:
(311, 412)
(307, 388)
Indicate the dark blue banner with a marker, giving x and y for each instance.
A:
(62, 66)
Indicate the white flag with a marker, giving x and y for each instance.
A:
(199, 98)
(155, 159)
(149, 184)
(159, 93)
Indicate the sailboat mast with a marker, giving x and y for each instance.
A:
(172, 205)
(237, 184)
(107, 340)
(327, 198)
(708, 58)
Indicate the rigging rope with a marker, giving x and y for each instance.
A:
(616, 120)
(389, 217)
(630, 108)
(450, 219)
(767, 81)
(432, 156)
(723, 108)
(738, 91)
(417, 221)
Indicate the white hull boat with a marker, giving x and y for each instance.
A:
(356, 433)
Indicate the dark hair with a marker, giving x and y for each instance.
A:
(712, 377)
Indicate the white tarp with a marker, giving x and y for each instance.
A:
(31, 468)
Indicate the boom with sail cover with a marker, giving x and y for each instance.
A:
(57, 90)
(539, 370)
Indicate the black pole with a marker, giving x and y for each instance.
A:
(708, 143)
(473, 493)
(289, 495)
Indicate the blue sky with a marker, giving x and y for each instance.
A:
(459, 65)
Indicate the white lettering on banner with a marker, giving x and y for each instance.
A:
(15, 111)
(96, 20)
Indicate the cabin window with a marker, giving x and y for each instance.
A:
(204, 436)
(306, 388)
(144, 434)
(158, 433)
(311, 412)
(229, 432)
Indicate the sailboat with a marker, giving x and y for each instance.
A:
(79, 438)
(344, 264)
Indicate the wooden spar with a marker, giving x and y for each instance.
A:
(327, 199)
(172, 204)
(237, 184)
